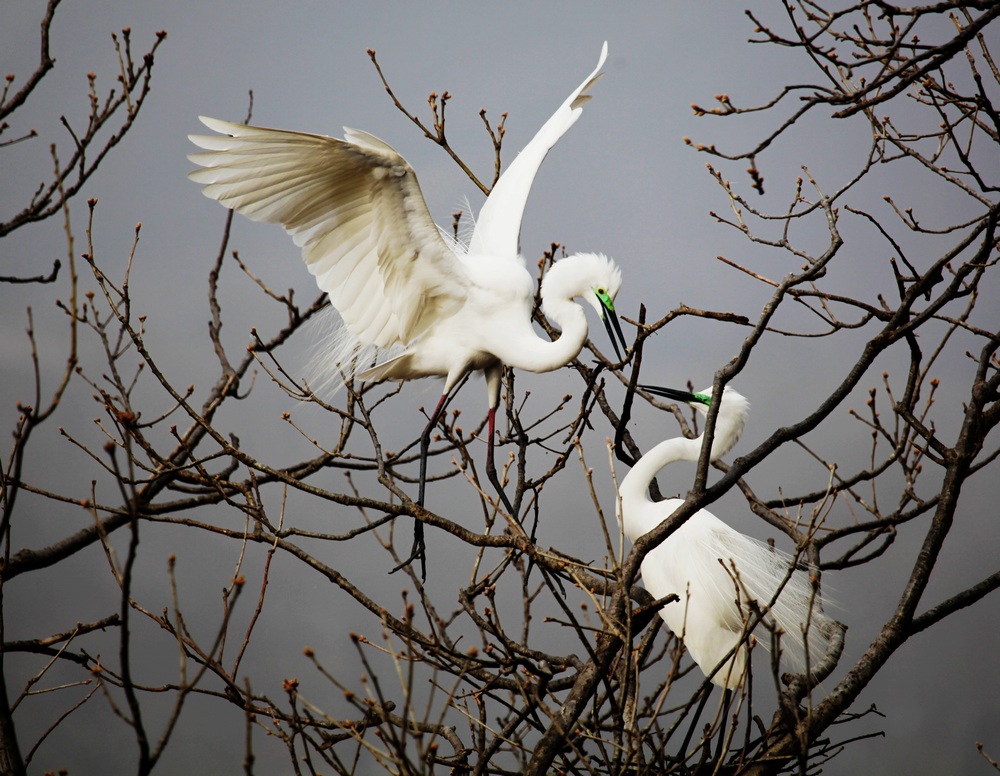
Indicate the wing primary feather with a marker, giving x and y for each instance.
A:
(498, 228)
(355, 209)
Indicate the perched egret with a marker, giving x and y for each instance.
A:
(722, 577)
(355, 209)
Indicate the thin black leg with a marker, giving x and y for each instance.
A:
(419, 549)
(682, 753)
(727, 699)
(491, 469)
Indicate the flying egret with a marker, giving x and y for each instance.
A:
(355, 209)
(722, 577)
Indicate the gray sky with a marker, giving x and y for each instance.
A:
(622, 181)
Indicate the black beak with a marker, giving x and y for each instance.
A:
(611, 320)
(671, 393)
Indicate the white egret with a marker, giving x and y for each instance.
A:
(355, 209)
(722, 577)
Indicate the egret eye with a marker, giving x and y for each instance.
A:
(601, 292)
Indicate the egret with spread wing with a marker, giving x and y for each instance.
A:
(722, 577)
(355, 209)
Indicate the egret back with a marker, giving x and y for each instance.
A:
(724, 579)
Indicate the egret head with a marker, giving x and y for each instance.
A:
(729, 422)
(594, 278)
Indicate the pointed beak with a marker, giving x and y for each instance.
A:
(613, 328)
(672, 393)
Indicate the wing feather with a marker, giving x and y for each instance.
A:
(498, 228)
(355, 209)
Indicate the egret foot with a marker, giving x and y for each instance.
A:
(417, 552)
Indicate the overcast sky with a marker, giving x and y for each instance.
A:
(622, 181)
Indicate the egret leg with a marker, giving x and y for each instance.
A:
(682, 752)
(491, 469)
(727, 699)
(494, 374)
(419, 549)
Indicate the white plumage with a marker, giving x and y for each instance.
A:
(715, 570)
(355, 209)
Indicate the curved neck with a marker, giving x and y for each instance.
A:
(540, 355)
(634, 489)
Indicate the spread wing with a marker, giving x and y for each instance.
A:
(355, 209)
(498, 228)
